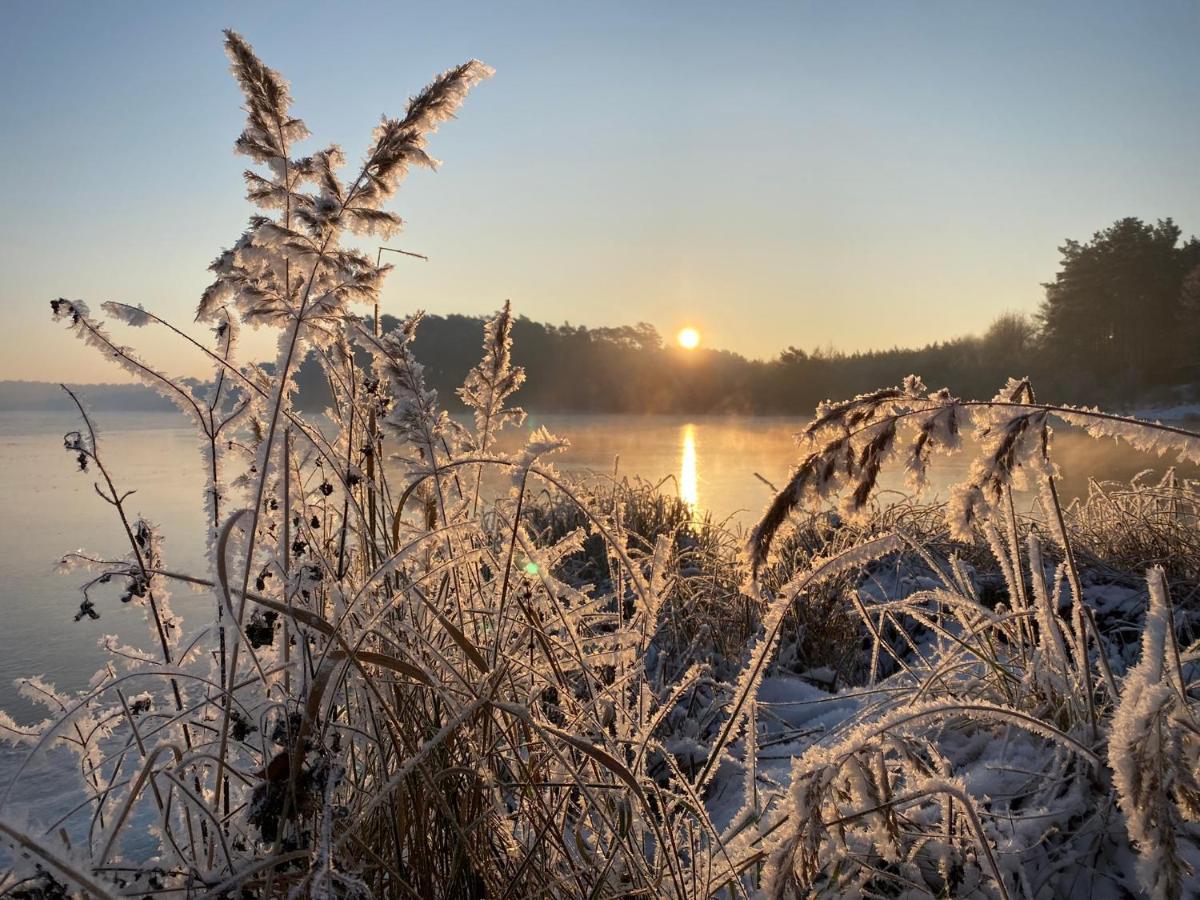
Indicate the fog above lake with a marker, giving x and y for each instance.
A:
(714, 463)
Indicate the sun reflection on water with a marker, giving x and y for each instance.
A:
(689, 488)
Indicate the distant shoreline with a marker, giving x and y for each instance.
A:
(45, 396)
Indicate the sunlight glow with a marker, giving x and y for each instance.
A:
(689, 338)
(689, 487)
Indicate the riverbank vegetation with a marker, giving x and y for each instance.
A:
(416, 684)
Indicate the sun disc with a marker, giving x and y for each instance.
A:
(689, 338)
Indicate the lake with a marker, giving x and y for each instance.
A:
(51, 507)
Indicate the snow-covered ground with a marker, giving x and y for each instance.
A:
(1054, 826)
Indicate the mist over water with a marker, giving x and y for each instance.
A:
(713, 463)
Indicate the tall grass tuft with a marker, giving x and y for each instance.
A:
(400, 692)
(1007, 744)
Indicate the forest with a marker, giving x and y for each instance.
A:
(1119, 324)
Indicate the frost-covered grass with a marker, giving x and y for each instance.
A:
(411, 686)
(1011, 739)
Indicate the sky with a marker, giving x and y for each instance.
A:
(857, 175)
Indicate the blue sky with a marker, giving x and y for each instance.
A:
(855, 174)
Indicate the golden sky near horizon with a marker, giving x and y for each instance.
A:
(861, 176)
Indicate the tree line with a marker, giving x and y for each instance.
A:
(1120, 323)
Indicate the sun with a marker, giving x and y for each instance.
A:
(689, 338)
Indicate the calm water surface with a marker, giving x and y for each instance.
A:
(51, 508)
